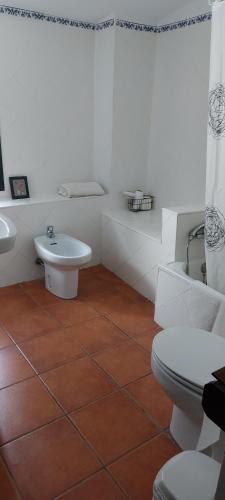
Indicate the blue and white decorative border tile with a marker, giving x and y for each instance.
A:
(105, 24)
(165, 27)
(185, 23)
(40, 16)
(130, 25)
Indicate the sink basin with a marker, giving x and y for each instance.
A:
(7, 234)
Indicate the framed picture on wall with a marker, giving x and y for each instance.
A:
(19, 187)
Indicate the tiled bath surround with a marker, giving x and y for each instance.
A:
(185, 301)
(135, 244)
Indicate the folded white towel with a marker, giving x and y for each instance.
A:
(77, 189)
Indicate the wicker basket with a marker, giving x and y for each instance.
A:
(140, 205)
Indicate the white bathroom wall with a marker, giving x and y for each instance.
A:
(134, 245)
(61, 120)
(103, 105)
(177, 153)
(80, 217)
(195, 8)
(75, 105)
(46, 102)
(133, 85)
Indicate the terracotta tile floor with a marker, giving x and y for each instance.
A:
(81, 415)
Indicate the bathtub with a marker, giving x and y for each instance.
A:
(184, 300)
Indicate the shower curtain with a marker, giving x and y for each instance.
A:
(215, 183)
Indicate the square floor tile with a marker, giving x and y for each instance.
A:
(55, 349)
(125, 363)
(102, 273)
(35, 322)
(97, 334)
(98, 487)
(134, 319)
(153, 329)
(37, 291)
(109, 301)
(49, 461)
(13, 367)
(78, 383)
(5, 341)
(8, 491)
(151, 397)
(72, 312)
(136, 471)
(10, 290)
(146, 339)
(15, 304)
(132, 294)
(114, 425)
(94, 284)
(25, 407)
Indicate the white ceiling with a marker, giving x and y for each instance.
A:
(144, 11)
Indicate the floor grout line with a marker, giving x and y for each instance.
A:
(119, 457)
(91, 356)
(12, 479)
(35, 429)
(146, 413)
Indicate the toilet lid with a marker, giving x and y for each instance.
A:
(188, 476)
(190, 353)
(186, 383)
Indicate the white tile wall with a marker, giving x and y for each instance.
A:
(134, 245)
(50, 131)
(132, 255)
(46, 103)
(80, 218)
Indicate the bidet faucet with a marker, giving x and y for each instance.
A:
(50, 232)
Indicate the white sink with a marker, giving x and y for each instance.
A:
(8, 234)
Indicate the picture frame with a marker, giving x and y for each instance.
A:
(19, 187)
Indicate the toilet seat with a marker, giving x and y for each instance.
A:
(177, 377)
(188, 476)
(177, 351)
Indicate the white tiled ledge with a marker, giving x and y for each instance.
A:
(186, 209)
(37, 201)
(147, 223)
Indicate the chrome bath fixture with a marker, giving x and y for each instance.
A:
(198, 233)
(204, 273)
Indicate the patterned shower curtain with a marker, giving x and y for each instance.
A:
(215, 184)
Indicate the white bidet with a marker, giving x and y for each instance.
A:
(62, 256)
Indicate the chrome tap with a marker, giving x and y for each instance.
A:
(197, 233)
(50, 232)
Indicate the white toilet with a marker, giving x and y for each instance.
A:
(183, 360)
(188, 476)
(62, 256)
